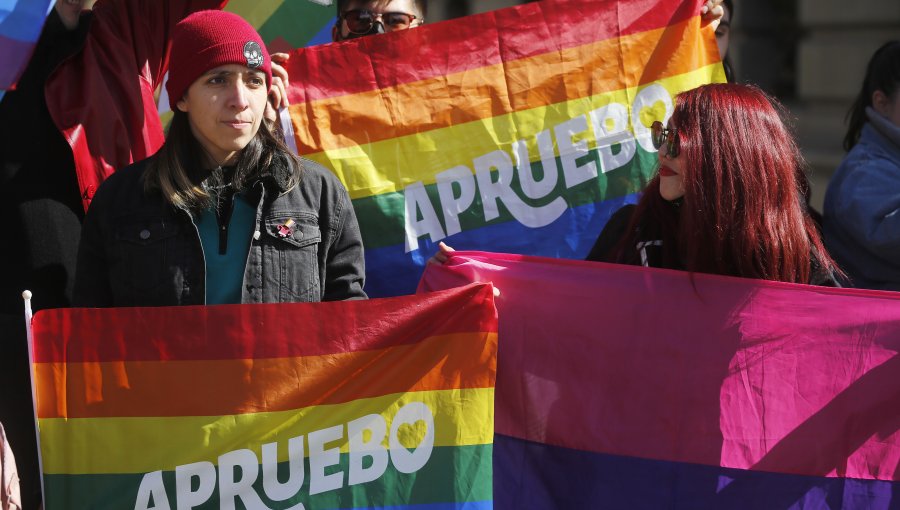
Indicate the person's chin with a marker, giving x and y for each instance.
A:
(670, 195)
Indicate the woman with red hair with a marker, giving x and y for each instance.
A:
(728, 198)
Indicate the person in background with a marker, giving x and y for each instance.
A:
(357, 18)
(10, 494)
(723, 38)
(726, 199)
(224, 212)
(862, 203)
(83, 106)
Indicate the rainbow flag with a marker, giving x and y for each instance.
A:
(631, 387)
(21, 22)
(368, 404)
(288, 24)
(518, 130)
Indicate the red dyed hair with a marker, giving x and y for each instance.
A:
(743, 212)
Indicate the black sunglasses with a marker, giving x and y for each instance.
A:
(665, 136)
(361, 21)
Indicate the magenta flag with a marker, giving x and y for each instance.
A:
(630, 387)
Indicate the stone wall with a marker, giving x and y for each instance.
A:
(838, 38)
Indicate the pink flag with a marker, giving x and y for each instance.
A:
(636, 387)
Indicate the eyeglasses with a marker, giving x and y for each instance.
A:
(668, 136)
(361, 21)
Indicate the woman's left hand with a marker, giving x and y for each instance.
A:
(278, 93)
(442, 254)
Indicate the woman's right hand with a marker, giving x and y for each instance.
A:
(442, 254)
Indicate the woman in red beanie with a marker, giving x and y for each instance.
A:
(223, 213)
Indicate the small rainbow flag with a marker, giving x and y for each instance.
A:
(368, 404)
(518, 130)
(632, 387)
(21, 22)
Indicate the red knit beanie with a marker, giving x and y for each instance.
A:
(208, 39)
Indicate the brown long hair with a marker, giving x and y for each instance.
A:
(178, 169)
(743, 212)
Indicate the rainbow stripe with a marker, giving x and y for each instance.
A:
(129, 399)
(21, 22)
(518, 130)
(632, 387)
(286, 25)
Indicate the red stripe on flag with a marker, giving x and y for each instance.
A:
(371, 63)
(279, 330)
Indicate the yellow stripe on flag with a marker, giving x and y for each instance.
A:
(391, 165)
(140, 445)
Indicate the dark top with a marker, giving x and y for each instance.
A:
(648, 251)
(138, 250)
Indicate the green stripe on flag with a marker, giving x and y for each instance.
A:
(452, 474)
(297, 22)
(381, 217)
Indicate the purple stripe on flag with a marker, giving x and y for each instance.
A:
(535, 475)
(15, 55)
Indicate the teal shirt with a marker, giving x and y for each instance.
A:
(225, 271)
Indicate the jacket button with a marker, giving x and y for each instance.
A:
(298, 235)
(256, 235)
(145, 234)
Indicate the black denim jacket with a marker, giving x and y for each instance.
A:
(137, 250)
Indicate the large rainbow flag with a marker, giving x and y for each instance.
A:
(518, 130)
(21, 22)
(368, 404)
(631, 387)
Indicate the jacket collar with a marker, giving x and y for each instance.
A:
(884, 127)
(277, 176)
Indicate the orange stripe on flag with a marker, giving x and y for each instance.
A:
(224, 387)
(490, 91)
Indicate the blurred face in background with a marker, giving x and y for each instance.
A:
(70, 10)
(360, 18)
(723, 32)
(888, 106)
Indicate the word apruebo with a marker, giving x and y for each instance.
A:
(239, 470)
(610, 126)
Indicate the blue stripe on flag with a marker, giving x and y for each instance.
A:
(324, 35)
(535, 475)
(391, 272)
(22, 20)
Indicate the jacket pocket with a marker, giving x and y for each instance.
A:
(144, 254)
(291, 257)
